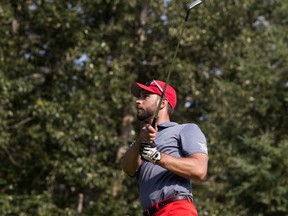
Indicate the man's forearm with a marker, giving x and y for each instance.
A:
(193, 167)
(131, 160)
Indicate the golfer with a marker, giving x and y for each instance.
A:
(165, 159)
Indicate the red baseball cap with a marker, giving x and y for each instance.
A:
(156, 87)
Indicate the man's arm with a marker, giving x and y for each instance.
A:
(131, 160)
(192, 167)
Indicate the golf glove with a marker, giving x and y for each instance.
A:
(149, 152)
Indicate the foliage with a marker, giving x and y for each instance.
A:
(66, 112)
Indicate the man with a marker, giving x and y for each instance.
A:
(165, 159)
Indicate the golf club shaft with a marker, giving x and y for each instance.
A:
(193, 4)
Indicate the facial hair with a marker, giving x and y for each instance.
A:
(148, 113)
(145, 115)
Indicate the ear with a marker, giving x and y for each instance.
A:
(164, 103)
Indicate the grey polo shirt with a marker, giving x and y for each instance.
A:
(156, 183)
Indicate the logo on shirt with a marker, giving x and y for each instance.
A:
(203, 147)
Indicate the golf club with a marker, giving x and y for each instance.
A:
(190, 6)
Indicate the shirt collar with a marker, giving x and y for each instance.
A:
(166, 125)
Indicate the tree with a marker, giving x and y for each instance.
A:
(249, 110)
(67, 114)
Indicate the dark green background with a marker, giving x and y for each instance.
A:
(67, 115)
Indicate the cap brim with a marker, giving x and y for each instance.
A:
(137, 88)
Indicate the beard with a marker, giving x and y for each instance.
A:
(145, 115)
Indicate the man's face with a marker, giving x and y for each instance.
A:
(146, 105)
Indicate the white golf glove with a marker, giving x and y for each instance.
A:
(149, 152)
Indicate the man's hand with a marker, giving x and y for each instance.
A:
(149, 152)
(147, 134)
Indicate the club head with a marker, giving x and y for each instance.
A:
(193, 4)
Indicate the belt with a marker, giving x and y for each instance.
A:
(151, 211)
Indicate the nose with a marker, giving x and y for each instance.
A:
(138, 100)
